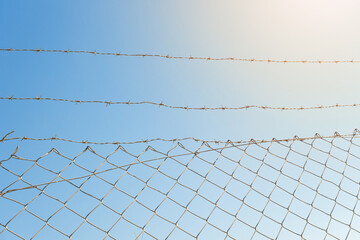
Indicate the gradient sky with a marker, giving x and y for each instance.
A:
(279, 29)
(259, 29)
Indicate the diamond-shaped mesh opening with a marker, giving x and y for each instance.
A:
(298, 189)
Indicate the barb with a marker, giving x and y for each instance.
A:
(108, 103)
(179, 57)
(6, 135)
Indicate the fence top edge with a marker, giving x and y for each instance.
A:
(355, 134)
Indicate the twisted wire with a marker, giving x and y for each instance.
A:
(108, 103)
(179, 57)
(6, 138)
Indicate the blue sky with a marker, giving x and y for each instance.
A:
(210, 29)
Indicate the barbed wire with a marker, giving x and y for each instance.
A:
(6, 137)
(218, 194)
(179, 57)
(108, 103)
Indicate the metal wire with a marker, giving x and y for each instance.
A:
(6, 138)
(300, 188)
(178, 57)
(108, 103)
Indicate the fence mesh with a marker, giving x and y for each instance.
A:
(293, 189)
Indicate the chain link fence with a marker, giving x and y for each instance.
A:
(278, 189)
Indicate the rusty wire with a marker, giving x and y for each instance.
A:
(305, 163)
(108, 103)
(179, 57)
(6, 137)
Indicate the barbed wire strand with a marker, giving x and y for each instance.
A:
(251, 141)
(178, 57)
(108, 103)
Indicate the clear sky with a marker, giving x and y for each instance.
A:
(260, 29)
(279, 29)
